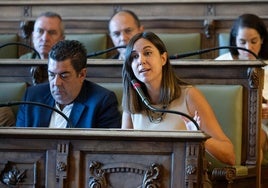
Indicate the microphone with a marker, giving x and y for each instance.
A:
(21, 44)
(38, 73)
(93, 54)
(13, 103)
(136, 85)
(178, 56)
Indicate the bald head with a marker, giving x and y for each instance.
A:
(123, 25)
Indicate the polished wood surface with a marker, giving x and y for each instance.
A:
(18, 2)
(110, 70)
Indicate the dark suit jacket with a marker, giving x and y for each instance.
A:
(95, 107)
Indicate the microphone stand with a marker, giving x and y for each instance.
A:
(39, 104)
(144, 99)
(38, 73)
(178, 56)
(93, 54)
(21, 44)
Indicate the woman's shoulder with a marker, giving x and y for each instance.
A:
(191, 91)
(186, 88)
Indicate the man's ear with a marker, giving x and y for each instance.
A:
(83, 73)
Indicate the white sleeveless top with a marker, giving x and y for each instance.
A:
(169, 121)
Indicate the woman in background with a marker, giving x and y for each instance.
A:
(249, 32)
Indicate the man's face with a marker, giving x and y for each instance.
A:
(47, 32)
(122, 28)
(65, 83)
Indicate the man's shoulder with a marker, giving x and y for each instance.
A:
(37, 92)
(39, 87)
(27, 56)
(95, 87)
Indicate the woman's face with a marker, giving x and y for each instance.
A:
(147, 62)
(250, 39)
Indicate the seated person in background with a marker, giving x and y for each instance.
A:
(249, 31)
(48, 30)
(7, 117)
(87, 104)
(147, 61)
(123, 25)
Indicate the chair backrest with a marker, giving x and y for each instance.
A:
(226, 101)
(117, 88)
(92, 42)
(8, 51)
(223, 40)
(178, 43)
(12, 92)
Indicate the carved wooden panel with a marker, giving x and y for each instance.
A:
(88, 158)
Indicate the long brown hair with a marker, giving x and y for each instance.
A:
(170, 89)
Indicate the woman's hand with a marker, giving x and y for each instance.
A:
(189, 124)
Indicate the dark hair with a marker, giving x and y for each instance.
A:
(169, 86)
(254, 22)
(70, 49)
(135, 17)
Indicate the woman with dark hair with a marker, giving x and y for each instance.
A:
(147, 62)
(248, 31)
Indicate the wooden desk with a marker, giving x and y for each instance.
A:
(108, 158)
(248, 74)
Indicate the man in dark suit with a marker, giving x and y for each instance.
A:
(87, 104)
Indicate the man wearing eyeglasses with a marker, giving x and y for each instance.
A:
(87, 104)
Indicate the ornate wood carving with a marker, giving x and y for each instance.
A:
(209, 24)
(227, 173)
(98, 174)
(11, 175)
(191, 163)
(27, 11)
(208, 28)
(62, 163)
(253, 121)
(254, 84)
(253, 78)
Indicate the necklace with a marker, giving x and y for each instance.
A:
(156, 117)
